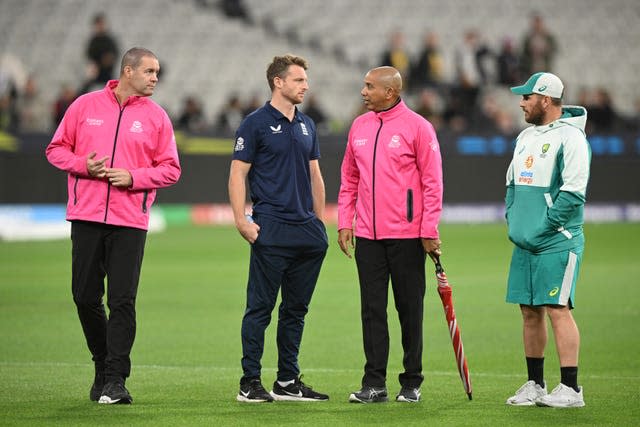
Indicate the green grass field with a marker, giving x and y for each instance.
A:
(186, 359)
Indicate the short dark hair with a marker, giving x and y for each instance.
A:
(280, 66)
(133, 57)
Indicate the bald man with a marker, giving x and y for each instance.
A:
(391, 187)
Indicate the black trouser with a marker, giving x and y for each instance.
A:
(402, 260)
(101, 250)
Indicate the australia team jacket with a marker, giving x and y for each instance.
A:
(137, 136)
(547, 184)
(391, 176)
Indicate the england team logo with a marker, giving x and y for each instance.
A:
(304, 129)
(239, 144)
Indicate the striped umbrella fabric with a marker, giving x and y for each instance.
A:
(444, 290)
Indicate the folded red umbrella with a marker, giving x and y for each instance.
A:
(444, 290)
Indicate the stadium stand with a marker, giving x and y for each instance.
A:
(205, 53)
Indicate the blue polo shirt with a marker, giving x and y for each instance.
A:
(279, 151)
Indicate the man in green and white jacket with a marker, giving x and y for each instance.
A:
(546, 191)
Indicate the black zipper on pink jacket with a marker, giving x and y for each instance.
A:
(373, 183)
(113, 153)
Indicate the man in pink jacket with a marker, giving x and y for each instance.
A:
(391, 184)
(117, 147)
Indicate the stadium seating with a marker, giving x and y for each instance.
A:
(208, 55)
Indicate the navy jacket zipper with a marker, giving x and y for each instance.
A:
(373, 184)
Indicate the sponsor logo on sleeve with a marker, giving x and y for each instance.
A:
(94, 122)
(359, 142)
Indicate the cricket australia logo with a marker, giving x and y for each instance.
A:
(304, 129)
(545, 148)
(395, 141)
(136, 127)
(239, 144)
(276, 129)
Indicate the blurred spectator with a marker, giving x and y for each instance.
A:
(252, 105)
(102, 49)
(470, 74)
(32, 109)
(8, 98)
(601, 112)
(430, 106)
(492, 117)
(191, 118)
(508, 64)
(396, 55)
(313, 110)
(538, 47)
(235, 9)
(429, 68)
(230, 117)
(90, 82)
(65, 97)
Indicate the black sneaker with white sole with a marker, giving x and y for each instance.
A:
(96, 388)
(253, 392)
(369, 395)
(115, 392)
(408, 394)
(297, 392)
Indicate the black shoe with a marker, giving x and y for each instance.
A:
(297, 391)
(408, 394)
(253, 392)
(96, 388)
(115, 392)
(369, 395)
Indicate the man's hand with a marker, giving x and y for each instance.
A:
(248, 230)
(119, 177)
(432, 247)
(97, 168)
(345, 240)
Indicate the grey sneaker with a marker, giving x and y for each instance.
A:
(253, 392)
(562, 397)
(527, 394)
(408, 394)
(369, 395)
(115, 392)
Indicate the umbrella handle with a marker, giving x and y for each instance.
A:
(436, 261)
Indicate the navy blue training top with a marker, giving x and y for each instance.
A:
(279, 151)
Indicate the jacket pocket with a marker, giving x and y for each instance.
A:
(75, 190)
(144, 201)
(409, 205)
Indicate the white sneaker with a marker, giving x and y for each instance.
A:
(562, 397)
(527, 394)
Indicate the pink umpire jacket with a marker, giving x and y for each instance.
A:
(137, 136)
(391, 178)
